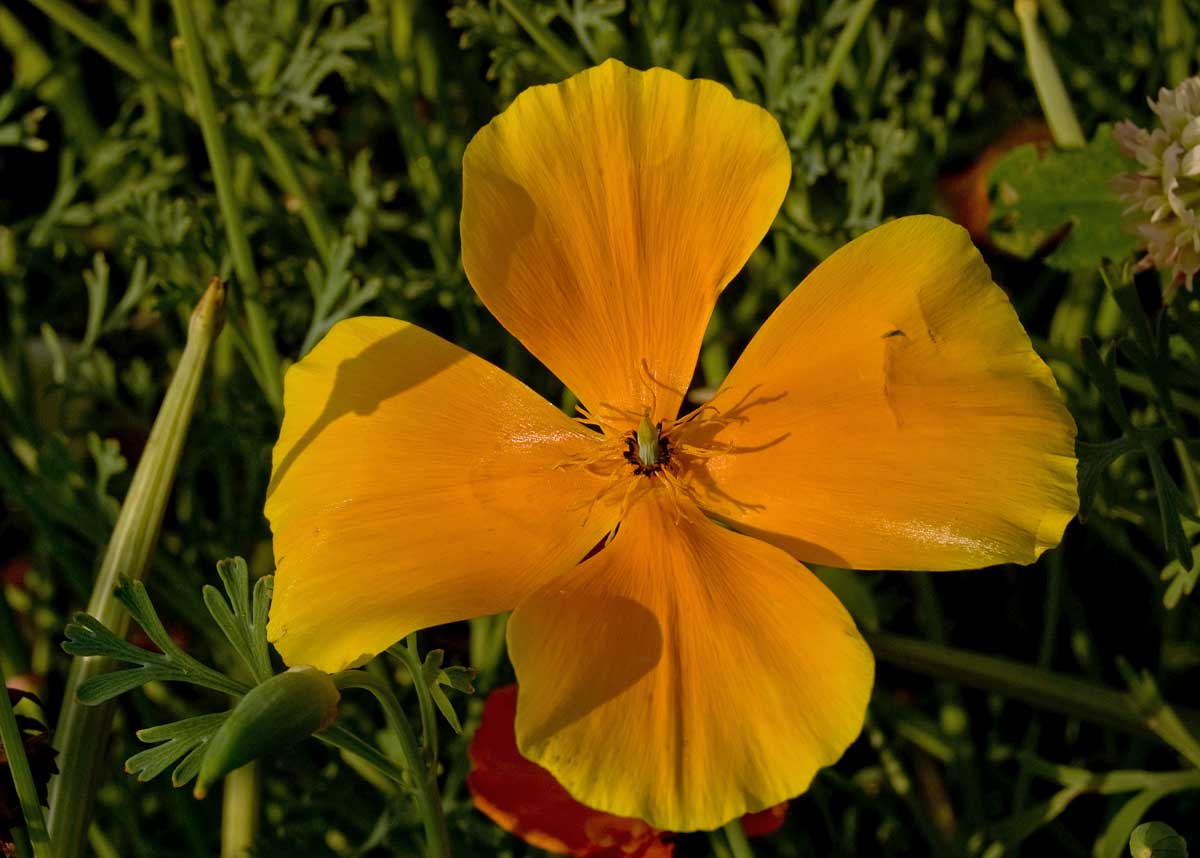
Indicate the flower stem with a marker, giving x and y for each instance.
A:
(82, 730)
(739, 845)
(409, 653)
(1056, 104)
(429, 803)
(342, 739)
(236, 235)
(142, 66)
(829, 75)
(22, 776)
(240, 803)
(1043, 688)
(1172, 41)
(310, 211)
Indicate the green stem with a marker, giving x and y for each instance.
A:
(563, 56)
(289, 179)
(101, 845)
(1172, 41)
(719, 845)
(437, 840)
(1055, 584)
(235, 229)
(240, 804)
(1043, 688)
(1056, 104)
(32, 67)
(22, 776)
(1189, 472)
(144, 67)
(410, 654)
(342, 739)
(739, 845)
(829, 75)
(83, 730)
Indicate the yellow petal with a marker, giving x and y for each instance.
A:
(414, 484)
(603, 215)
(686, 674)
(893, 414)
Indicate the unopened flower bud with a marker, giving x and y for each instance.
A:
(279, 712)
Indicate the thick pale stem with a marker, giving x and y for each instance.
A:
(240, 810)
(82, 731)
(1056, 104)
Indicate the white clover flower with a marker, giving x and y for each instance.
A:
(1165, 194)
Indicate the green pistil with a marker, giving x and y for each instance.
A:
(647, 438)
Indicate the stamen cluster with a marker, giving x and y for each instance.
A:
(662, 458)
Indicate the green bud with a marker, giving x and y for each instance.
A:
(279, 712)
(1156, 840)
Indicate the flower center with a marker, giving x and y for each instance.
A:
(647, 449)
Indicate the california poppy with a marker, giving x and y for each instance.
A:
(891, 413)
(524, 799)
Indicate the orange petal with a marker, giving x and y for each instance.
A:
(893, 414)
(525, 799)
(414, 484)
(686, 674)
(603, 215)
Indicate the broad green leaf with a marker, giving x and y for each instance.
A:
(1038, 198)
(1156, 840)
(1111, 844)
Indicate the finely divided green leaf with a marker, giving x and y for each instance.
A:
(178, 738)
(108, 685)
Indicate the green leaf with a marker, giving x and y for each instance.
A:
(106, 686)
(1094, 461)
(132, 594)
(1102, 371)
(445, 707)
(435, 676)
(243, 621)
(87, 636)
(459, 678)
(1156, 840)
(1171, 506)
(1112, 842)
(178, 738)
(1038, 198)
(189, 766)
(1181, 581)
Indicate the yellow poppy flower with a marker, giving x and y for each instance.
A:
(891, 413)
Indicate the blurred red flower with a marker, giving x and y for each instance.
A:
(525, 799)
